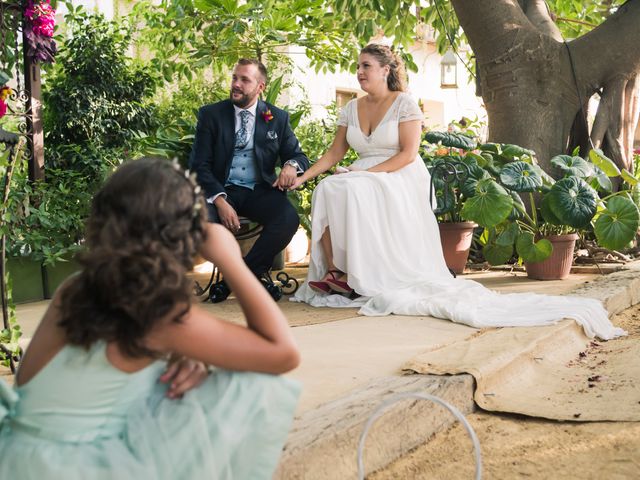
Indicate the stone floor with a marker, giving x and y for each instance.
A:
(350, 364)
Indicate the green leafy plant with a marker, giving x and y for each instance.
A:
(45, 220)
(11, 332)
(96, 96)
(464, 172)
(569, 204)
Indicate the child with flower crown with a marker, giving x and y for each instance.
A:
(117, 380)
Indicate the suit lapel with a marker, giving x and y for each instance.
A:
(260, 132)
(228, 129)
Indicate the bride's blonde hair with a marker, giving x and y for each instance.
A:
(397, 78)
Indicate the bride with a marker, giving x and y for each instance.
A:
(375, 241)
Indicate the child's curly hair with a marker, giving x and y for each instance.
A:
(146, 225)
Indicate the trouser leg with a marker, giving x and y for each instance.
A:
(271, 209)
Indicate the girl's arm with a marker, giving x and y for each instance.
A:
(410, 134)
(332, 156)
(267, 345)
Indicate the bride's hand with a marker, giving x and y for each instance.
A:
(296, 184)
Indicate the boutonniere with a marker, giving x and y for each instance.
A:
(267, 116)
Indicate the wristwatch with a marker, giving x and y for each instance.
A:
(293, 163)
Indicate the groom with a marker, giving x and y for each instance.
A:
(237, 145)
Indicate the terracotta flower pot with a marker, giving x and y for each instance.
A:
(456, 242)
(558, 265)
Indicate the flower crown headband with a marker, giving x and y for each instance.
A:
(191, 179)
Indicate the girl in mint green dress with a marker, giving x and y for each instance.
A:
(125, 378)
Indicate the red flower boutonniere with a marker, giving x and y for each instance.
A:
(267, 116)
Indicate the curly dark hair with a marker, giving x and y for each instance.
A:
(397, 78)
(146, 225)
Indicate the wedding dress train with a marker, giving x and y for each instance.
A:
(385, 236)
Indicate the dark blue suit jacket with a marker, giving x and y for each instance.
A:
(212, 152)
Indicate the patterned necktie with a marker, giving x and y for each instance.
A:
(242, 135)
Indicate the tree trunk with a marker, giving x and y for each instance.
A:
(532, 83)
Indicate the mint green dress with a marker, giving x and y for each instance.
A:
(81, 418)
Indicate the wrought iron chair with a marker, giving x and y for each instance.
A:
(248, 230)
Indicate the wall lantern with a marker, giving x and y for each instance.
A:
(449, 70)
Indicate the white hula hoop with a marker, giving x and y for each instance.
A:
(421, 396)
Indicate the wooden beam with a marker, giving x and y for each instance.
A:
(35, 134)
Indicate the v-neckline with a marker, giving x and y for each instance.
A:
(381, 120)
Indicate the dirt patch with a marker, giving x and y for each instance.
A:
(519, 447)
(515, 446)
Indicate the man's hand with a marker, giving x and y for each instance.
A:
(287, 178)
(183, 374)
(227, 214)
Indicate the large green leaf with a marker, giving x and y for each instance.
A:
(490, 205)
(573, 202)
(508, 236)
(618, 223)
(519, 208)
(515, 151)
(532, 251)
(445, 200)
(493, 148)
(468, 187)
(603, 162)
(451, 139)
(600, 181)
(574, 166)
(479, 160)
(497, 254)
(629, 177)
(521, 177)
(546, 212)
(273, 90)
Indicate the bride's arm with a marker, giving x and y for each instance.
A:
(409, 134)
(332, 156)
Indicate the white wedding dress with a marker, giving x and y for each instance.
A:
(385, 236)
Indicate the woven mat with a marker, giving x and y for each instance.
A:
(553, 372)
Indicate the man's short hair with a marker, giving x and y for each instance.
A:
(261, 68)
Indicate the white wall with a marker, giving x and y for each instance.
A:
(102, 6)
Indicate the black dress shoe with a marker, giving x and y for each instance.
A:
(219, 292)
(274, 290)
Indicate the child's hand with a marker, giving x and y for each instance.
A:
(183, 374)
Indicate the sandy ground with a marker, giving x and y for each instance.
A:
(515, 446)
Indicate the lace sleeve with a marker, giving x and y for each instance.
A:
(409, 110)
(343, 117)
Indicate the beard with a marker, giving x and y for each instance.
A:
(245, 99)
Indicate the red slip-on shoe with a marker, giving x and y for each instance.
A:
(339, 286)
(322, 286)
(319, 287)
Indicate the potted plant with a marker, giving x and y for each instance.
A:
(457, 166)
(47, 223)
(557, 211)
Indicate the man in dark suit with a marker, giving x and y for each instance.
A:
(237, 146)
